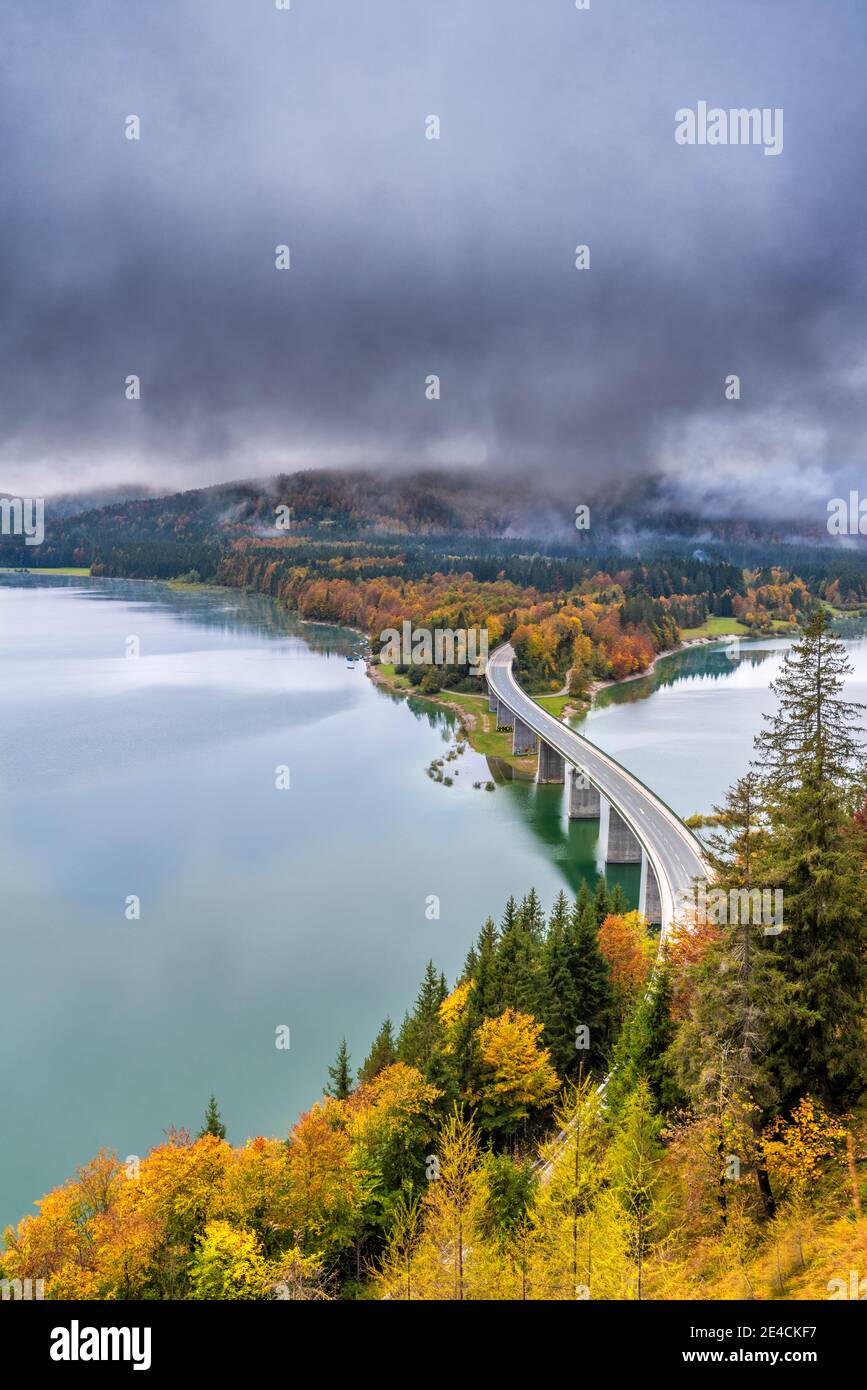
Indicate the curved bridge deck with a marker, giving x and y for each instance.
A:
(673, 853)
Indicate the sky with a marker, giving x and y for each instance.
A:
(412, 257)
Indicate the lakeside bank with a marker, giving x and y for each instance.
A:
(479, 724)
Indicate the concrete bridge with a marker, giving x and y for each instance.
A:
(641, 828)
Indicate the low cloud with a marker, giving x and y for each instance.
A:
(452, 257)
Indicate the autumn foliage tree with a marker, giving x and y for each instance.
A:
(518, 1078)
(797, 1147)
(446, 1172)
(629, 950)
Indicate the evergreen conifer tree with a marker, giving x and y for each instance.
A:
(213, 1121)
(601, 900)
(617, 904)
(810, 761)
(383, 1053)
(518, 965)
(422, 1031)
(340, 1085)
(642, 1048)
(577, 992)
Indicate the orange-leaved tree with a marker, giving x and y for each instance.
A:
(629, 950)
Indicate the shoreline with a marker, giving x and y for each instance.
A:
(596, 686)
(372, 669)
(583, 704)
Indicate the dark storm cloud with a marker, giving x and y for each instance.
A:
(412, 257)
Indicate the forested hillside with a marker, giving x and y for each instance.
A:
(417, 504)
(480, 516)
(560, 613)
(442, 550)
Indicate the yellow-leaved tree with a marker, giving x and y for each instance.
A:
(324, 1187)
(579, 1238)
(228, 1263)
(517, 1075)
(452, 1259)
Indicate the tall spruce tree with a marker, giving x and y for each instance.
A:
(601, 901)
(617, 903)
(383, 1053)
(422, 1030)
(340, 1082)
(577, 991)
(485, 997)
(721, 1052)
(557, 923)
(810, 761)
(593, 977)
(582, 899)
(642, 1048)
(518, 965)
(213, 1121)
(555, 990)
(510, 912)
(739, 976)
(532, 915)
(464, 1065)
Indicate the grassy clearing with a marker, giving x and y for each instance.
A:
(555, 704)
(841, 614)
(194, 586)
(715, 627)
(45, 569)
(482, 733)
(473, 703)
(387, 671)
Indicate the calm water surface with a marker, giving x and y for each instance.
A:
(687, 730)
(155, 775)
(259, 908)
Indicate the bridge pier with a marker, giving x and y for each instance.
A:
(585, 803)
(505, 717)
(523, 739)
(652, 900)
(623, 847)
(492, 701)
(552, 766)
